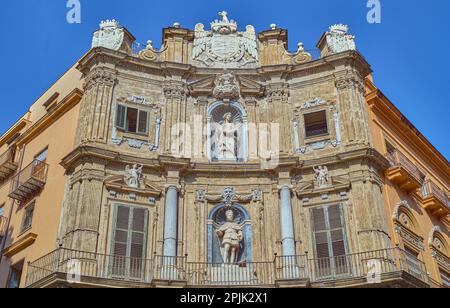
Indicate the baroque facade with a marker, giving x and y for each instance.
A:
(221, 159)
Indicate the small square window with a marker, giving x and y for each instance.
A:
(28, 218)
(316, 124)
(132, 120)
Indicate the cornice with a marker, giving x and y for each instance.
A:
(66, 104)
(168, 69)
(17, 127)
(386, 110)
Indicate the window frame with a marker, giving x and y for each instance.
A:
(125, 127)
(333, 259)
(12, 270)
(327, 122)
(127, 257)
(30, 206)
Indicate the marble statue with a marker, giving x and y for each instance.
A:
(227, 140)
(322, 176)
(133, 175)
(231, 236)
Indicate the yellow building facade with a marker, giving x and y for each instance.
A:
(219, 160)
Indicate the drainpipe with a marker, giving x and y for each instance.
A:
(13, 186)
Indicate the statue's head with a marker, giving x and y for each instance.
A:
(227, 117)
(229, 215)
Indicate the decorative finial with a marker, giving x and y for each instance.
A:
(149, 45)
(273, 26)
(301, 47)
(176, 25)
(339, 28)
(109, 24)
(224, 15)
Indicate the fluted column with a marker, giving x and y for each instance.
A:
(171, 222)
(287, 222)
(95, 113)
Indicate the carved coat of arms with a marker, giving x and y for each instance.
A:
(110, 35)
(224, 46)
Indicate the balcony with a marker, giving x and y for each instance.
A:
(403, 172)
(383, 268)
(28, 182)
(435, 200)
(7, 164)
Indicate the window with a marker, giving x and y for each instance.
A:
(42, 156)
(329, 240)
(445, 277)
(413, 263)
(28, 218)
(15, 275)
(2, 209)
(129, 242)
(316, 124)
(132, 120)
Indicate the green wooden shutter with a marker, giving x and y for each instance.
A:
(120, 241)
(121, 116)
(329, 241)
(138, 230)
(143, 122)
(129, 242)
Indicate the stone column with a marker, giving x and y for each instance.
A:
(95, 113)
(171, 222)
(287, 222)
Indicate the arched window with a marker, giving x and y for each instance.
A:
(227, 132)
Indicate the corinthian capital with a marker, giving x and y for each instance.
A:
(349, 82)
(100, 76)
(278, 92)
(172, 91)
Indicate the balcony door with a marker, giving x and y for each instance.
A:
(127, 260)
(39, 164)
(329, 242)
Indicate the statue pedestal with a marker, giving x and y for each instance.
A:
(228, 274)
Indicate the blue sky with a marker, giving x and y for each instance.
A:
(407, 51)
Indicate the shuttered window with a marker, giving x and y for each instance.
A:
(129, 242)
(445, 277)
(329, 241)
(132, 120)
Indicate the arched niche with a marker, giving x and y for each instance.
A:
(215, 119)
(437, 240)
(217, 217)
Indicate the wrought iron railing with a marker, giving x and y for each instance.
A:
(7, 157)
(368, 265)
(432, 190)
(36, 170)
(76, 264)
(29, 180)
(398, 159)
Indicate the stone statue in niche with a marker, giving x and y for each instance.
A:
(322, 176)
(227, 139)
(231, 237)
(133, 175)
